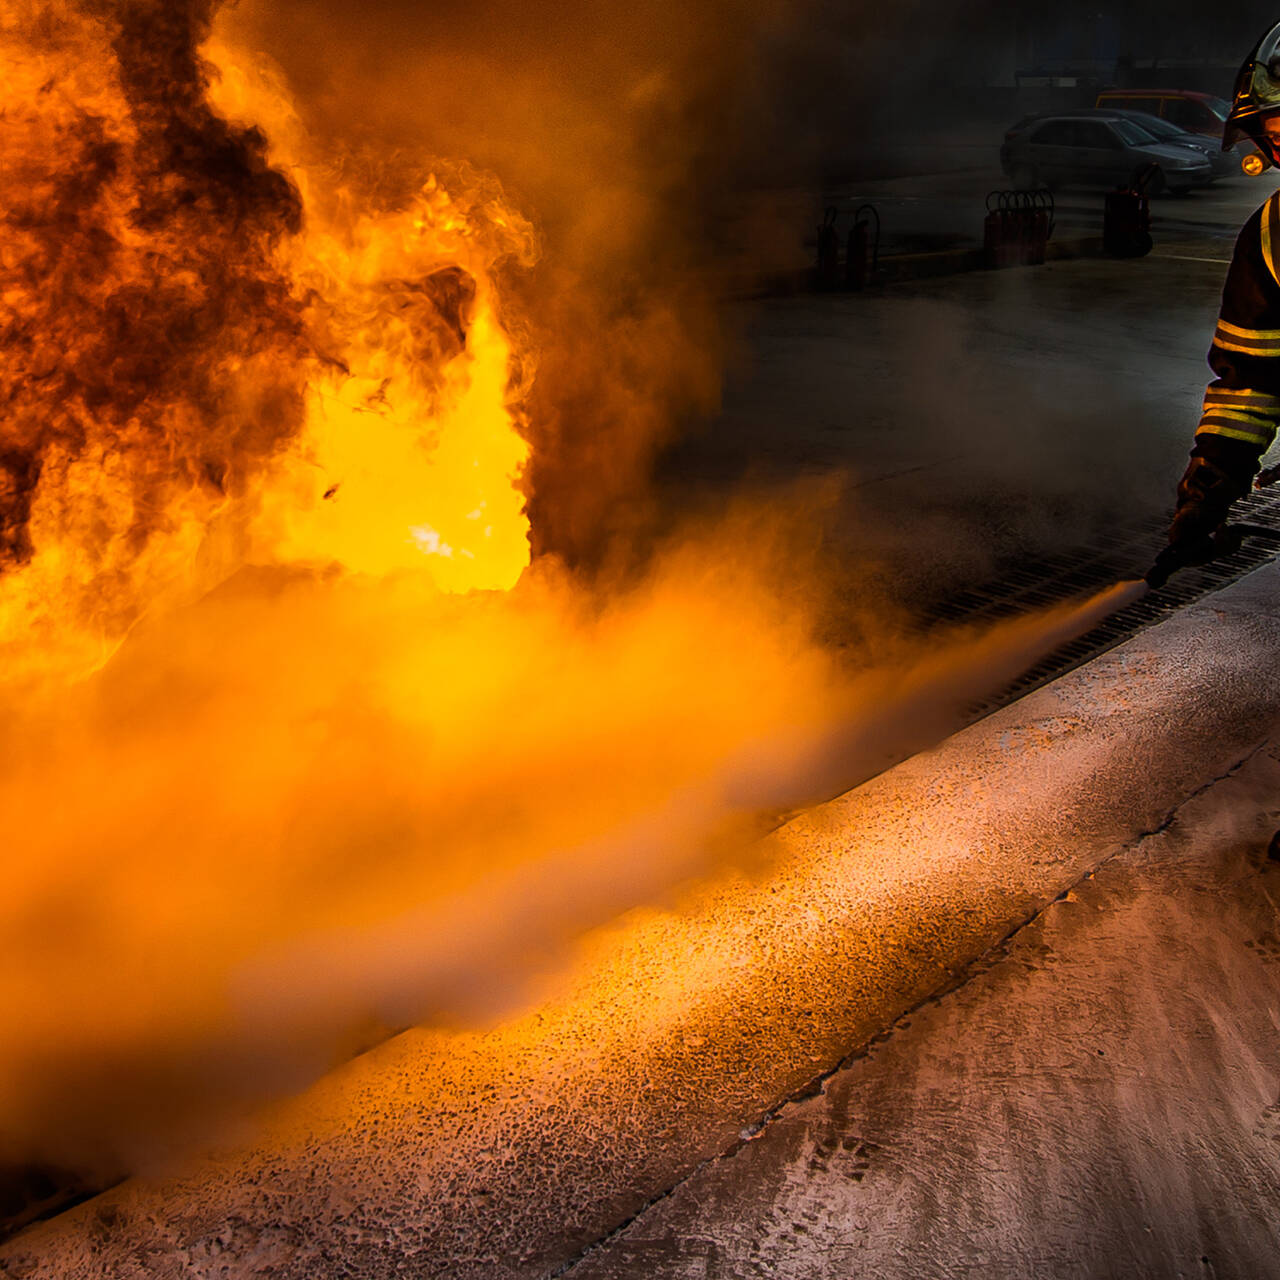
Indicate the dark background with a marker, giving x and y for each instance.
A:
(890, 73)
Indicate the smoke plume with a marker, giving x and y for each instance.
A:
(625, 133)
(141, 289)
(307, 811)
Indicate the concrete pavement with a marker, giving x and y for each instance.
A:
(1101, 1097)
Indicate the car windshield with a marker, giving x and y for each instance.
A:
(1158, 128)
(1219, 107)
(1133, 134)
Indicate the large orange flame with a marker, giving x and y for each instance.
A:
(205, 368)
(410, 455)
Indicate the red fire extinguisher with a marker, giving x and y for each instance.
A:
(997, 231)
(1126, 220)
(862, 254)
(828, 251)
(1040, 220)
(1017, 228)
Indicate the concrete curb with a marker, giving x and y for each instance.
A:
(503, 1154)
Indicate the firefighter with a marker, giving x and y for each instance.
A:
(1242, 404)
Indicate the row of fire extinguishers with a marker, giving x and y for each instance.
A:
(861, 245)
(1019, 225)
(1017, 229)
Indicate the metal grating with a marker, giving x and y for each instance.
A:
(1125, 551)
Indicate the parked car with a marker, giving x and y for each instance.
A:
(1100, 149)
(1221, 163)
(1195, 112)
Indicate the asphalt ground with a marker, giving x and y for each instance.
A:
(942, 210)
(973, 421)
(975, 418)
(773, 233)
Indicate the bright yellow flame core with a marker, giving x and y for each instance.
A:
(413, 476)
(411, 455)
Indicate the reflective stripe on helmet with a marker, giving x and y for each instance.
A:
(1264, 88)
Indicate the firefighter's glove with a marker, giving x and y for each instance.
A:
(1266, 477)
(1205, 495)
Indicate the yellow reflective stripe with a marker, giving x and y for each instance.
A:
(1268, 254)
(1216, 429)
(1260, 335)
(1247, 407)
(1234, 415)
(1227, 344)
(1241, 395)
(1228, 333)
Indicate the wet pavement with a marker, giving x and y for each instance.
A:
(971, 420)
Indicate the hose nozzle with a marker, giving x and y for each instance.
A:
(1225, 541)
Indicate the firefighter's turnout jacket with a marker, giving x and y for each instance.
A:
(1242, 405)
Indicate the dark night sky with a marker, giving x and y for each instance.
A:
(1140, 28)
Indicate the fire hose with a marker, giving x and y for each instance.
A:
(1226, 541)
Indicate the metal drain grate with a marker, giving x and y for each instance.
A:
(1124, 552)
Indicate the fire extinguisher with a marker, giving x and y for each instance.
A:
(997, 231)
(862, 255)
(828, 251)
(1017, 228)
(1040, 214)
(1126, 221)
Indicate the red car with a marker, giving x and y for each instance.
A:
(1194, 112)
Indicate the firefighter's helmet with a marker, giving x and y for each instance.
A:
(1257, 94)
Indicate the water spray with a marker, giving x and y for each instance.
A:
(1176, 556)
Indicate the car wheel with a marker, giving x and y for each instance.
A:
(1157, 183)
(1023, 177)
